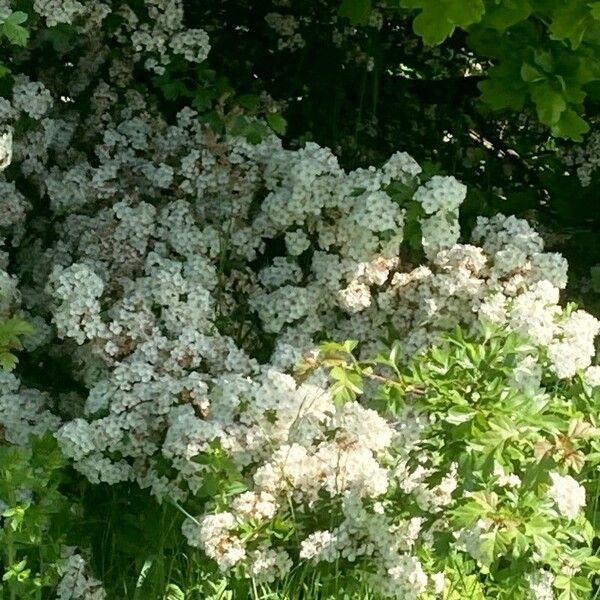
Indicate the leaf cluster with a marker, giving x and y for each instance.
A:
(11, 332)
(35, 517)
(485, 425)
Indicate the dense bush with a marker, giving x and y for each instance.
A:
(183, 257)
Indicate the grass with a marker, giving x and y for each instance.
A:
(139, 554)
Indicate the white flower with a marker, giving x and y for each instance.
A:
(216, 538)
(268, 565)
(568, 495)
(255, 506)
(407, 577)
(591, 376)
(541, 585)
(6, 149)
(76, 583)
(77, 439)
(31, 97)
(193, 44)
(510, 480)
(441, 194)
(58, 11)
(356, 297)
(320, 546)
(526, 375)
(439, 582)
(296, 242)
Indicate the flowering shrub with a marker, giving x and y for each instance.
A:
(451, 476)
(177, 262)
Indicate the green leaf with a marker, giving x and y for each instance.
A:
(500, 90)
(173, 592)
(174, 89)
(530, 74)
(467, 514)
(253, 130)
(12, 328)
(549, 103)
(595, 10)
(12, 29)
(235, 487)
(491, 545)
(349, 346)
(15, 33)
(350, 380)
(433, 31)
(465, 587)
(438, 18)
(460, 414)
(10, 331)
(357, 11)
(347, 384)
(202, 100)
(502, 15)
(146, 567)
(277, 123)
(8, 361)
(570, 22)
(254, 137)
(572, 586)
(570, 126)
(593, 562)
(17, 18)
(210, 486)
(544, 59)
(248, 101)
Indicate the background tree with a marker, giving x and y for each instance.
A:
(505, 92)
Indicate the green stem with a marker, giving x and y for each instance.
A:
(254, 590)
(11, 553)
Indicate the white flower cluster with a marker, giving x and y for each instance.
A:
(441, 194)
(286, 27)
(31, 97)
(23, 411)
(77, 584)
(321, 546)
(216, 535)
(58, 11)
(584, 158)
(193, 44)
(165, 32)
(140, 288)
(440, 198)
(592, 376)
(77, 289)
(508, 281)
(13, 210)
(317, 453)
(541, 585)
(568, 495)
(6, 148)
